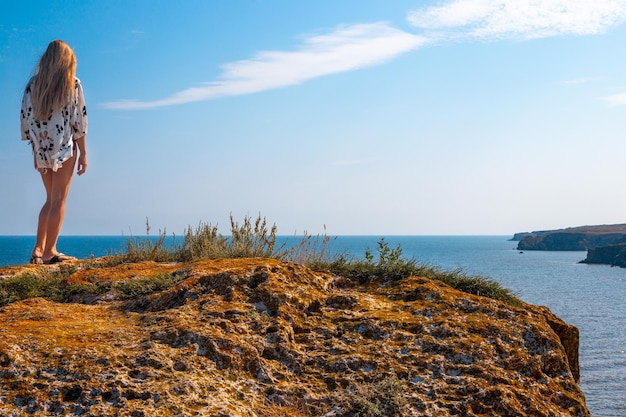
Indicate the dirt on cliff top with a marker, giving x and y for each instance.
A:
(259, 337)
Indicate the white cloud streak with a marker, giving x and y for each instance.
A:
(352, 47)
(616, 100)
(345, 49)
(518, 19)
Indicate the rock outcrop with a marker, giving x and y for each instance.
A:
(258, 337)
(571, 239)
(614, 255)
(521, 235)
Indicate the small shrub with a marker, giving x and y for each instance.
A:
(18, 288)
(203, 243)
(391, 265)
(363, 270)
(70, 292)
(283, 411)
(384, 398)
(137, 287)
(54, 286)
(23, 286)
(145, 249)
(313, 251)
(254, 242)
(251, 239)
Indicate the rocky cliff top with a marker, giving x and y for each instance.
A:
(590, 229)
(259, 337)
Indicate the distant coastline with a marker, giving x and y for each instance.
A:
(605, 244)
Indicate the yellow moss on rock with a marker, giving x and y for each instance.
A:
(243, 337)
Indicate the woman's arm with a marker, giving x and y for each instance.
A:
(82, 156)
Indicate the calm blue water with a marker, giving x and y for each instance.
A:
(592, 297)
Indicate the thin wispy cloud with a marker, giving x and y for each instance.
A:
(351, 47)
(344, 49)
(616, 100)
(518, 19)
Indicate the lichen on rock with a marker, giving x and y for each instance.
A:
(243, 337)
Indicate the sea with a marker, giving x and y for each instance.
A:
(591, 297)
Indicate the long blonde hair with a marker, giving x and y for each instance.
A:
(53, 82)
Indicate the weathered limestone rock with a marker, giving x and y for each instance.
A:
(258, 337)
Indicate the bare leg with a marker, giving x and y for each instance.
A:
(42, 226)
(57, 185)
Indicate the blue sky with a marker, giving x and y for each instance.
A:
(368, 117)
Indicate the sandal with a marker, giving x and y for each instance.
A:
(36, 260)
(59, 257)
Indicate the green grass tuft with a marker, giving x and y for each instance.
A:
(391, 265)
(54, 287)
(21, 287)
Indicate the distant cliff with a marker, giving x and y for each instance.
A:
(614, 255)
(571, 239)
(519, 236)
(262, 338)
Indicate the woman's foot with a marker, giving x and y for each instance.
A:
(59, 257)
(36, 260)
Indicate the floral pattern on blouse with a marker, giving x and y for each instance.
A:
(53, 139)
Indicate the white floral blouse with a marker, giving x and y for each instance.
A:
(53, 139)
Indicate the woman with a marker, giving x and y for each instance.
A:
(54, 121)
